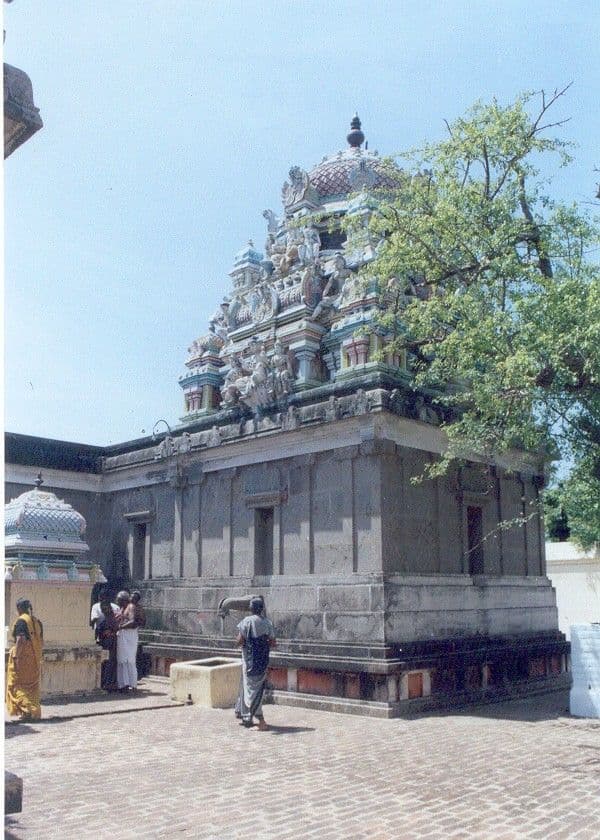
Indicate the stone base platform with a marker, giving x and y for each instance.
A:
(70, 669)
(421, 705)
(390, 680)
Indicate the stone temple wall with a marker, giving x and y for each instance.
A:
(365, 573)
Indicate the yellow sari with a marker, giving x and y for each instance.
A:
(23, 686)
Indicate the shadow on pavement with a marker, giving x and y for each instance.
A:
(543, 707)
(104, 697)
(9, 824)
(12, 728)
(289, 730)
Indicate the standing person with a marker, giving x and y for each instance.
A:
(140, 620)
(256, 637)
(23, 676)
(96, 610)
(107, 628)
(138, 610)
(127, 642)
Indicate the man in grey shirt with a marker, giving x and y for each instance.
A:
(256, 637)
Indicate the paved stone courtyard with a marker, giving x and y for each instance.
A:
(142, 767)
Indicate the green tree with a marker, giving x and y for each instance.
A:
(555, 515)
(493, 290)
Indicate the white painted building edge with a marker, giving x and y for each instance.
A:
(567, 552)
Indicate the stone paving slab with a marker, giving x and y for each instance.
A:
(515, 770)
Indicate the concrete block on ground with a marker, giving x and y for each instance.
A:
(584, 699)
(213, 683)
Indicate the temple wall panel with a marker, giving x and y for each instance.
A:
(418, 524)
(392, 502)
(258, 478)
(191, 531)
(331, 514)
(449, 526)
(295, 519)
(242, 520)
(534, 530)
(215, 524)
(164, 562)
(367, 473)
(492, 560)
(513, 538)
(420, 607)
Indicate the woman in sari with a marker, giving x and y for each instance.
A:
(256, 637)
(23, 676)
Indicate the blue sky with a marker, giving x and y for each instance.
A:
(170, 126)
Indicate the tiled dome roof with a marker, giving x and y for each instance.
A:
(348, 171)
(42, 515)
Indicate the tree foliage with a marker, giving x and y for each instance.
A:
(555, 515)
(493, 290)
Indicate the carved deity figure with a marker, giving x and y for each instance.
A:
(165, 448)
(235, 382)
(219, 323)
(257, 390)
(263, 301)
(310, 246)
(332, 288)
(277, 254)
(352, 289)
(311, 283)
(195, 349)
(269, 244)
(259, 365)
(426, 412)
(295, 190)
(272, 221)
(205, 343)
(184, 443)
(283, 370)
(293, 242)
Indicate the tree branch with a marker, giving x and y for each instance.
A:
(544, 263)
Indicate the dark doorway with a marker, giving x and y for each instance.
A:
(263, 541)
(475, 540)
(139, 551)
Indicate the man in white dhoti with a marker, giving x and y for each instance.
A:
(127, 643)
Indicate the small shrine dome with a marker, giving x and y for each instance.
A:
(347, 171)
(247, 254)
(38, 520)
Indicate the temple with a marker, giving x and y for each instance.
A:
(47, 562)
(291, 474)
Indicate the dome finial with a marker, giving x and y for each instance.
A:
(356, 137)
(39, 481)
